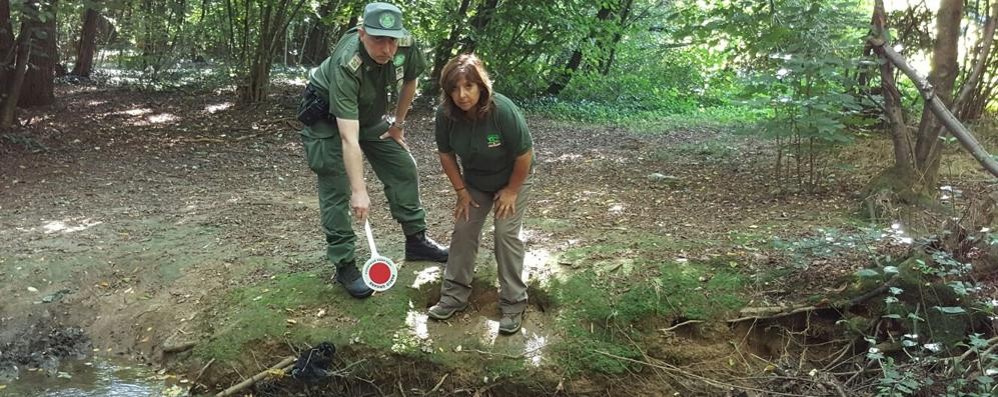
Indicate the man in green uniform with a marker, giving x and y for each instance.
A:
(371, 63)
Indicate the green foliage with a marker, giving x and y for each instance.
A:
(800, 57)
(932, 309)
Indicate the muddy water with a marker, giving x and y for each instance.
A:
(97, 377)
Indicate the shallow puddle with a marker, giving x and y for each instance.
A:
(93, 378)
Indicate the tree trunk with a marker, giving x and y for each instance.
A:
(943, 78)
(15, 79)
(445, 49)
(274, 19)
(900, 177)
(965, 103)
(316, 47)
(39, 80)
(7, 48)
(483, 16)
(561, 80)
(87, 45)
(625, 12)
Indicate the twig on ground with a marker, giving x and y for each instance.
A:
(435, 388)
(709, 381)
(680, 325)
(256, 378)
(204, 368)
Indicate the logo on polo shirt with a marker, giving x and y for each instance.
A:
(494, 140)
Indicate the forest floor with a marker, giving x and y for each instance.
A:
(181, 230)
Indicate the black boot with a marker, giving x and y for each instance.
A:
(418, 247)
(348, 275)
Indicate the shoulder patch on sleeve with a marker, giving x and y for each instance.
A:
(406, 41)
(354, 63)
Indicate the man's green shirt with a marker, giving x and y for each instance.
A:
(357, 86)
(487, 148)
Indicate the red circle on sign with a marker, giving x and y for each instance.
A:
(380, 273)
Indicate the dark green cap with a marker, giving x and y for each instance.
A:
(383, 19)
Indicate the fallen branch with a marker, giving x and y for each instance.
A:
(773, 312)
(281, 366)
(991, 343)
(204, 368)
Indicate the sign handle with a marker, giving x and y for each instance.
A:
(370, 238)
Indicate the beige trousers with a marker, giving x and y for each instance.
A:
(509, 252)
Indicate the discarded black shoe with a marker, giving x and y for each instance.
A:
(418, 247)
(348, 276)
(315, 363)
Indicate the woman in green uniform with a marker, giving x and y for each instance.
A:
(489, 135)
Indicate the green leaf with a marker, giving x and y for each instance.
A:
(862, 273)
(950, 309)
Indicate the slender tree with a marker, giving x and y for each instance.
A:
(484, 15)
(22, 53)
(39, 79)
(7, 48)
(274, 19)
(917, 153)
(86, 47)
(562, 78)
(444, 49)
(316, 47)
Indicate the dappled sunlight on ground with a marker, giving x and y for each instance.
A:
(533, 349)
(217, 107)
(488, 331)
(64, 227)
(536, 265)
(427, 275)
(162, 118)
(135, 112)
(416, 320)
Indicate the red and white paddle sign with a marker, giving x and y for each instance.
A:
(379, 272)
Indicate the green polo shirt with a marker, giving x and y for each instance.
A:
(487, 148)
(357, 86)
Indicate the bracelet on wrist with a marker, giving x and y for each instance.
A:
(398, 125)
(458, 189)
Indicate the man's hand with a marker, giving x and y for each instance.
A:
(464, 204)
(505, 203)
(397, 134)
(360, 203)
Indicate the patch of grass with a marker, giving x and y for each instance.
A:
(506, 368)
(600, 319)
(260, 311)
(644, 118)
